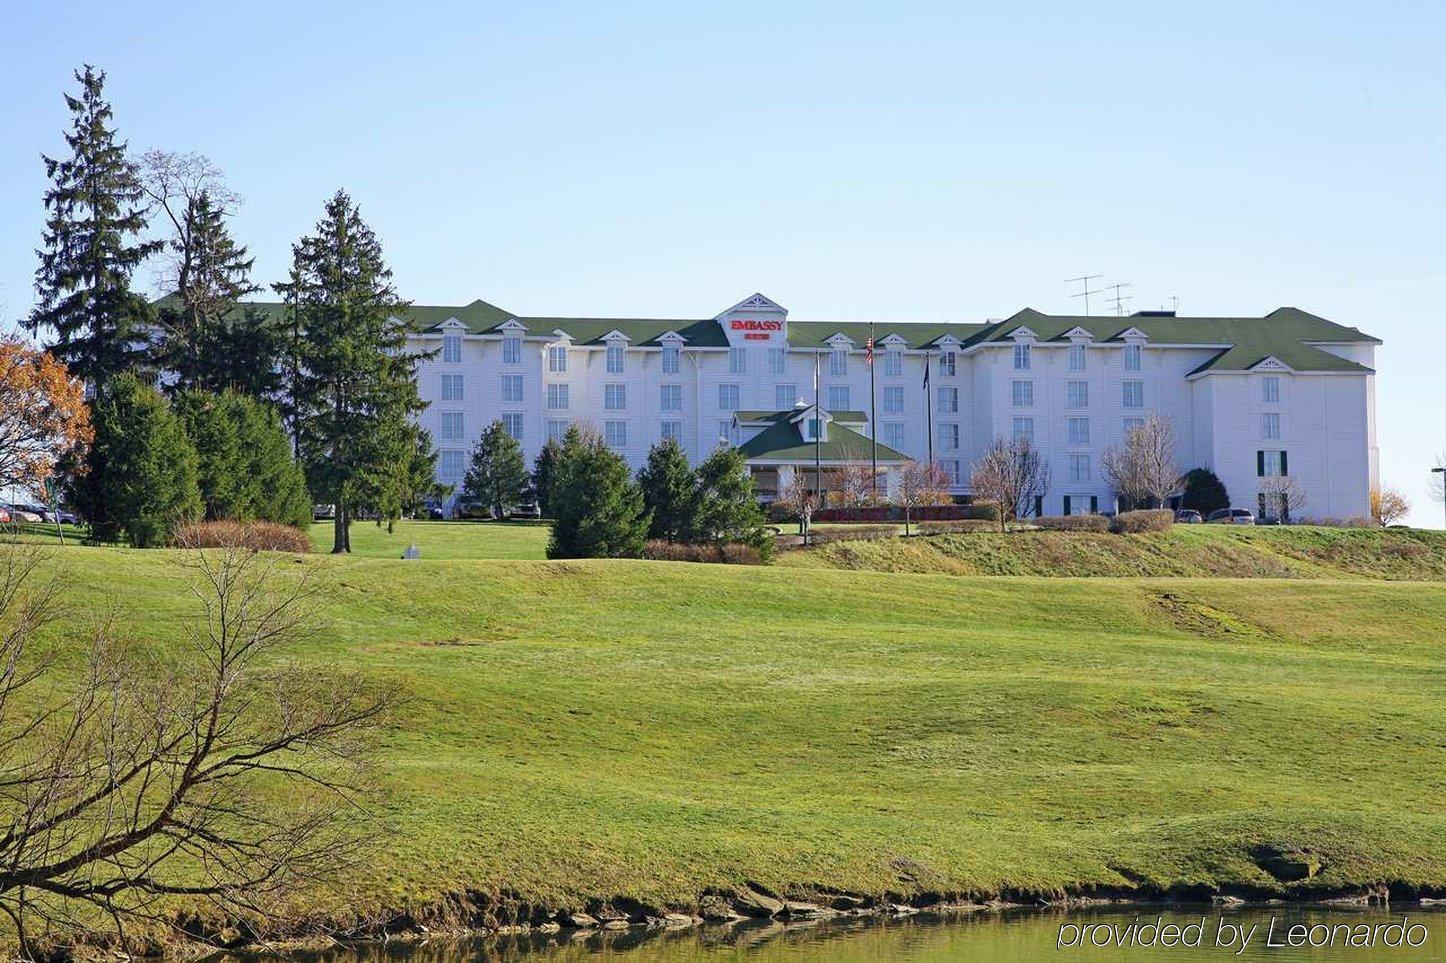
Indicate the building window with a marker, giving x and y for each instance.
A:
(557, 397)
(1077, 394)
(949, 437)
(777, 360)
(893, 363)
(894, 400)
(449, 467)
(451, 387)
(511, 350)
(725, 431)
(1079, 431)
(1024, 429)
(838, 397)
(784, 396)
(947, 364)
(1079, 467)
(1132, 423)
(1132, 357)
(953, 470)
(512, 423)
(894, 434)
(737, 361)
(1021, 357)
(512, 389)
(1270, 464)
(557, 357)
(671, 354)
(672, 429)
(1270, 390)
(451, 347)
(615, 396)
(838, 362)
(1023, 393)
(556, 428)
(948, 400)
(1076, 357)
(615, 359)
(1133, 394)
(728, 397)
(452, 426)
(615, 434)
(670, 397)
(1270, 425)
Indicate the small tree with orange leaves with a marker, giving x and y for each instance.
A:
(43, 415)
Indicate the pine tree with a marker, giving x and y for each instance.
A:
(597, 509)
(140, 478)
(212, 423)
(208, 341)
(544, 470)
(90, 251)
(354, 390)
(275, 485)
(668, 486)
(727, 509)
(497, 474)
(406, 479)
(1204, 491)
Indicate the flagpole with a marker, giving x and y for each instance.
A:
(817, 438)
(929, 408)
(873, 420)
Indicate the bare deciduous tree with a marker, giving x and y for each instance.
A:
(921, 483)
(1010, 474)
(856, 480)
(1143, 471)
(1388, 506)
(1283, 494)
(208, 772)
(799, 495)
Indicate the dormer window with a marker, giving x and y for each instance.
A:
(671, 354)
(511, 349)
(557, 358)
(1076, 357)
(1021, 356)
(451, 348)
(615, 358)
(812, 427)
(1132, 357)
(948, 363)
(838, 362)
(893, 362)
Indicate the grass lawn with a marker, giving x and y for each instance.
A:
(441, 540)
(603, 728)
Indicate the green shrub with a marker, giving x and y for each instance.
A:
(1073, 523)
(1204, 492)
(1144, 520)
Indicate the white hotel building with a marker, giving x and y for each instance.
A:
(1287, 393)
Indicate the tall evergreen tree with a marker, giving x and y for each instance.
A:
(140, 478)
(354, 389)
(727, 509)
(667, 484)
(544, 470)
(497, 474)
(275, 485)
(90, 247)
(597, 509)
(213, 424)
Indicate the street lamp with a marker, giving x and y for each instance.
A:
(1441, 470)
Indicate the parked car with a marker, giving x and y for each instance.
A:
(65, 515)
(323, 512)
(436, 514)
(18, 513)
(1187, 516)
(1231, 516)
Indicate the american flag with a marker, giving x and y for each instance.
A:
(869, 350)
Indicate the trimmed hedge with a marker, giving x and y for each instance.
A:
(734, 553)
(1145, 520)
(963, 525)
(255, 536)
(894, 513)
(1073, 523)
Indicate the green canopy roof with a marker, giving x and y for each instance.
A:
(783, 440)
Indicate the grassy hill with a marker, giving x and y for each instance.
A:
(1184, 551)
(603, 728)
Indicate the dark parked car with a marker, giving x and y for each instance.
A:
(1187, 516)
(436, 514)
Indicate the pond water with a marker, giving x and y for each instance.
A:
(993, 936)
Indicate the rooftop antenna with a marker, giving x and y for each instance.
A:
(1120, 297)
(1175, 303)
(1084, 280)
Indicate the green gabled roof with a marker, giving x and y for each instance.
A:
(1244, 342)
(917, 334)
(699, 333)
(840, 415)
(783, 441)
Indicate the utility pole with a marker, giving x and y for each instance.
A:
(1084, 280)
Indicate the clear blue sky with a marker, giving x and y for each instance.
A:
(900, 161)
